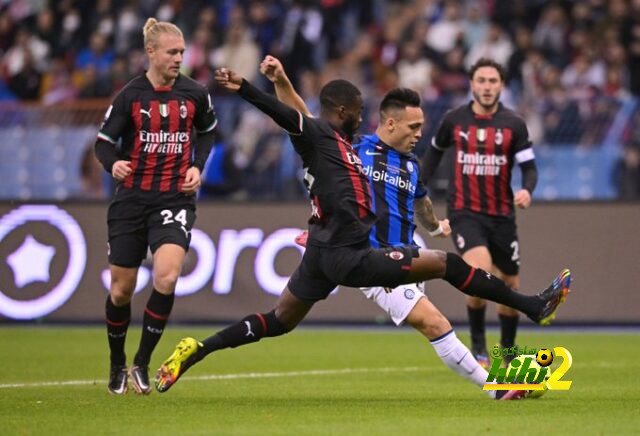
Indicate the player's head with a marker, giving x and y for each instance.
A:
(341, 103)
(487, 79)
(164, 45)
(401, 119)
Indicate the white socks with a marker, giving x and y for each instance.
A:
(457, 356)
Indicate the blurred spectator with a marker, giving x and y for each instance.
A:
(550, 33)
(627, 173)
(26, 46)
(448, 32)
(92, 85)
(523, 44)
(56, 84)
(26, 84)
(414, 71)
(475, 24)
(300, 38)
(238, 53)
(495, 45)
(262, 20)
(7, 31)
(452, 78)
(630, 38)
(584, 75)
(195, 62)
(97, 55)
(127, 33)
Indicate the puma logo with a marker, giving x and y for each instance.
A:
(186, 232)
(465, 135)
(249, 332)
(147, 113)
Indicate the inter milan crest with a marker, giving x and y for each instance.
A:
(410, 166)
(183, 109)
(164, 110)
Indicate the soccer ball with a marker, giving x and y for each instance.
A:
(533, 364)
(544, 357)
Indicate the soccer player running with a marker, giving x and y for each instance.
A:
(338, 250)
(488, 140)
(399, 194)
(154, 203)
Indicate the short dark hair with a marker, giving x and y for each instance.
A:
(486, 62)
(338, 93)
(399, 98)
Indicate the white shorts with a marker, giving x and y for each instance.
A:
(397, 303)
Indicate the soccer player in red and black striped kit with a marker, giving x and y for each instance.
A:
(488, 139)
(338, 249)
(166, 123)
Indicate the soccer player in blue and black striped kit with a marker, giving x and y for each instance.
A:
(338, 250)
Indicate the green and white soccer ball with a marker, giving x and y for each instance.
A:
(535, 365)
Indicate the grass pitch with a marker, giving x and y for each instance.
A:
(311, 381)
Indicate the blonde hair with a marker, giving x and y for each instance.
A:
(152, 28)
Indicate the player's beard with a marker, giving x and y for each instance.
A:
(487, 106)
(350, 127)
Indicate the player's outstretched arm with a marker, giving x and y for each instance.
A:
(289, 119)
(427, 217)
(272, 69)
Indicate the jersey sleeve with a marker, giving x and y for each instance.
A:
(523, 148)
(443, 137)
(205, 119)
(115, 120)
(309, 128)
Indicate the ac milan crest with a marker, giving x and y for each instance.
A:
(396, 255)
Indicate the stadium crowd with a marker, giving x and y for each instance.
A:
(573, 66)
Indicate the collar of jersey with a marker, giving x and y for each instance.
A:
(484, 117)
(379, 145)
(160, 88)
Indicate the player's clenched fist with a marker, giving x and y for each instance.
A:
(272, 69)
(121, 169)
(228, 78)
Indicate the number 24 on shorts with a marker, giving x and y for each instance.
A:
(169, 218)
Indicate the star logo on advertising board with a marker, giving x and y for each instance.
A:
(30, 262)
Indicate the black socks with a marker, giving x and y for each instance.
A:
(479, 283)
(508, 329)
(251, 329)
(117, 319)
(155, 319)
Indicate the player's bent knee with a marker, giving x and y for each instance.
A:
(431, 325)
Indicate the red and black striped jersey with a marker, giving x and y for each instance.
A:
(486, 148)
(342, 213)
(157, 127)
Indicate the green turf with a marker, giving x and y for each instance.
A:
(398, 386)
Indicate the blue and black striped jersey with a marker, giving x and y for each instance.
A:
(395, 181)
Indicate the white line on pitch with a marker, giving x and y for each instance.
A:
(231, 376)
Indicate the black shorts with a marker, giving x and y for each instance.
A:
(134, 226)
(497, 233)
(322, 269)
